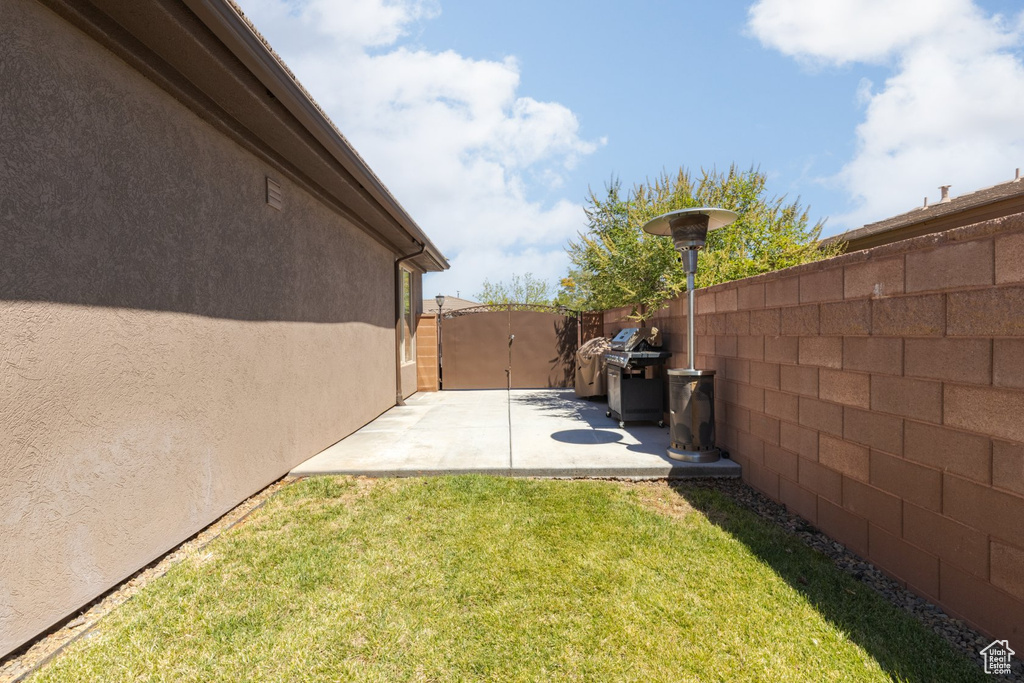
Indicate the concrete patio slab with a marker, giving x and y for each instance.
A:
(523, 432)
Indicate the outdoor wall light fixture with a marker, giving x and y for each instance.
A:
(691, 392)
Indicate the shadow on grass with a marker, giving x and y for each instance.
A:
(901, 645)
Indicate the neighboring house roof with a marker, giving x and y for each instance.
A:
(451, 303)
(209, 57)
(991, 202)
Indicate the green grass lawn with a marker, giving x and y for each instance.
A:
(477, 578)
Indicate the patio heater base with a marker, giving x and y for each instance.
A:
(694, 456)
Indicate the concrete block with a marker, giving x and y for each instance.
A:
(877, 430)
(737, 370)
(1008, 568)
(979, 506)
(751, 447)
(994, 312)
(916, 398)
(750, 397)
(1008, 466)
(764, 374)
(823, 481)
(750, 296)
(951, 541)
(825, 417)
(750, 347)
(763, 479)
(1009, 258)
(843, 318)
(848, 388)
(766, 322)
(738, 323)
(1008, 363)
(919, 569)
(989, 411)
(798, 500)
(964, 594)
(782, 292)
(725, 300)
(967, 455)
(782, 349)
(821, 351)
(911, 482)
(717, 323)
(780, 460)
(799, 379)
(765, 428)
(782, 405)
(725, 345)
(877, 355)
(909, 316)
(949, 359)
(951, 266)
(823, 285)
(799, 439)
(843, 526)
(874, 505)
(874, 278)
(847, 458)
(800, 320)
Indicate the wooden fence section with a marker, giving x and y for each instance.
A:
(426, 353)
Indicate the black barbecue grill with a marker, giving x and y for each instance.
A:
(631, 394)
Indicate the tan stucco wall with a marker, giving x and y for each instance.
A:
(408, 379)
(169, 344)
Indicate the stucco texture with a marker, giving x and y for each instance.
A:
(169, 344)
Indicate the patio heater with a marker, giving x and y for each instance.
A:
(691, 392)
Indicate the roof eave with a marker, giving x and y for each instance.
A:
(237, 35)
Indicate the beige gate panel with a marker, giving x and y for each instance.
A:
(544, 349)
(474, 351)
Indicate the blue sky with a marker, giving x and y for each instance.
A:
(489, 120)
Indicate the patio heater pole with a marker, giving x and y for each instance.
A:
(440, 304)
(691, 340)
(691, 392)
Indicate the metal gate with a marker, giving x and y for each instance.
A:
(509, 346)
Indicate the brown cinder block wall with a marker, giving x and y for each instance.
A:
(169, 344)
(880, 395)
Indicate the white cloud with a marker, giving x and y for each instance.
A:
(452, 138)
(474, 265)
(948, 114)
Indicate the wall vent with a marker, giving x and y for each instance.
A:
(275, 198)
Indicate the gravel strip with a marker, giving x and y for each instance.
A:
(958, 634)
(26, 659)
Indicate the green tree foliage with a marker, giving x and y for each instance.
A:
(527, 289)
(616, 264)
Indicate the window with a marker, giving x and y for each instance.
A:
(408, 340)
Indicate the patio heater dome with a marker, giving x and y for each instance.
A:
(689, 228)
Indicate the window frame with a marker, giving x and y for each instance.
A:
(407, 325)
